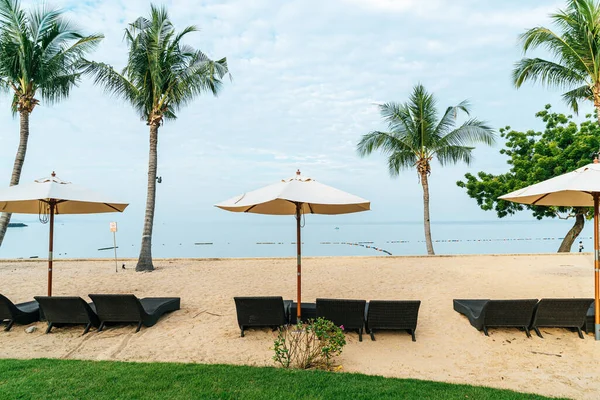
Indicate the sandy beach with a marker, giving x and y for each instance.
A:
(447, 348)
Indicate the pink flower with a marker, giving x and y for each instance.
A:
(342, 327)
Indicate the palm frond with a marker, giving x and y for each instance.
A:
(112, 81)
(422, 106)
(13, 22)
(472, 131)
(59, 87)
(398, 117)
(43, 20)
(386, 142)
(570, 52)
(573, 97)
(547, 72)
(448, 121)
(454, 154)
(40, 51)
(400, 160)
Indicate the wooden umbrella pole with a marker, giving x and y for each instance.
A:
(50, 247)
(299, 260)
(596, 269)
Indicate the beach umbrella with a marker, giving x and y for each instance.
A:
(296, 196)
(50, 196)
(579, 188)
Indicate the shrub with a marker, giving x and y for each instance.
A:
(309, 345)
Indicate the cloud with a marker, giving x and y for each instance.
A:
(467, 12)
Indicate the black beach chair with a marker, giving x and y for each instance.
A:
(484, 314)
(22, 313)
(68, 310)
(590, 318)
(347, 313)
(392, 315)
(127, 308)
(561, 313)
(261, 312)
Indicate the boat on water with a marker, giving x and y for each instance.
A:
(16, 225)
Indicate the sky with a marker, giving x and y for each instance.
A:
(306, 80)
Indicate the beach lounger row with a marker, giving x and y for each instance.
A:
(104, 308)
(353, 315)
(525, 314)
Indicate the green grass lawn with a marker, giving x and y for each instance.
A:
(70, 379)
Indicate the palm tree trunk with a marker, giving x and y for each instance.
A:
(567, 243)
(145, 260)
(17, 167)
(426, 221)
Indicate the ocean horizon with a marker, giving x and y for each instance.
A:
(189, 238)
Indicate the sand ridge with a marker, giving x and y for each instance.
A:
(447, 348)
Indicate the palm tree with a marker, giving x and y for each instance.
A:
(162, 75)
(416, 136)
(576, 51)
(40, 54)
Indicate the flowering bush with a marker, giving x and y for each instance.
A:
(310, 345)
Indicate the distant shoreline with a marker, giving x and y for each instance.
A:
(43, 259)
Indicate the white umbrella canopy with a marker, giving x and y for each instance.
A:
(50, 196)
(579, 188)
(281, 198)
(573, 189)
(296, 196)
(35, 198)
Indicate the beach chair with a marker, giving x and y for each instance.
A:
(342, 312)
(68, 310)
(261, 312)
(560, 313)
(22, 313)
(392, 315)
(590, 319)
(485, 313)
(127, 308)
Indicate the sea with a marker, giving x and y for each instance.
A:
(187, 238)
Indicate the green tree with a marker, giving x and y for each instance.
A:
(534, 157)
(416, 136)
(161, 76)
(40, 55)
(576, 53)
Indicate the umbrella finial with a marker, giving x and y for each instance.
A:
(596, 159)
(298, 172)
(53, 174)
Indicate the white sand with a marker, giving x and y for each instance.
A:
(447, 348)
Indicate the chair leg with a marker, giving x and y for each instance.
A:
(537, 332)
(372, 335)
(9, 325)
(412, 333)
(242, 331)
(49, 328)
(139, 327)
(101, 326)
(485, 331)
(360, 334)
(580, 333)
(527, 332)
(87, 328)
